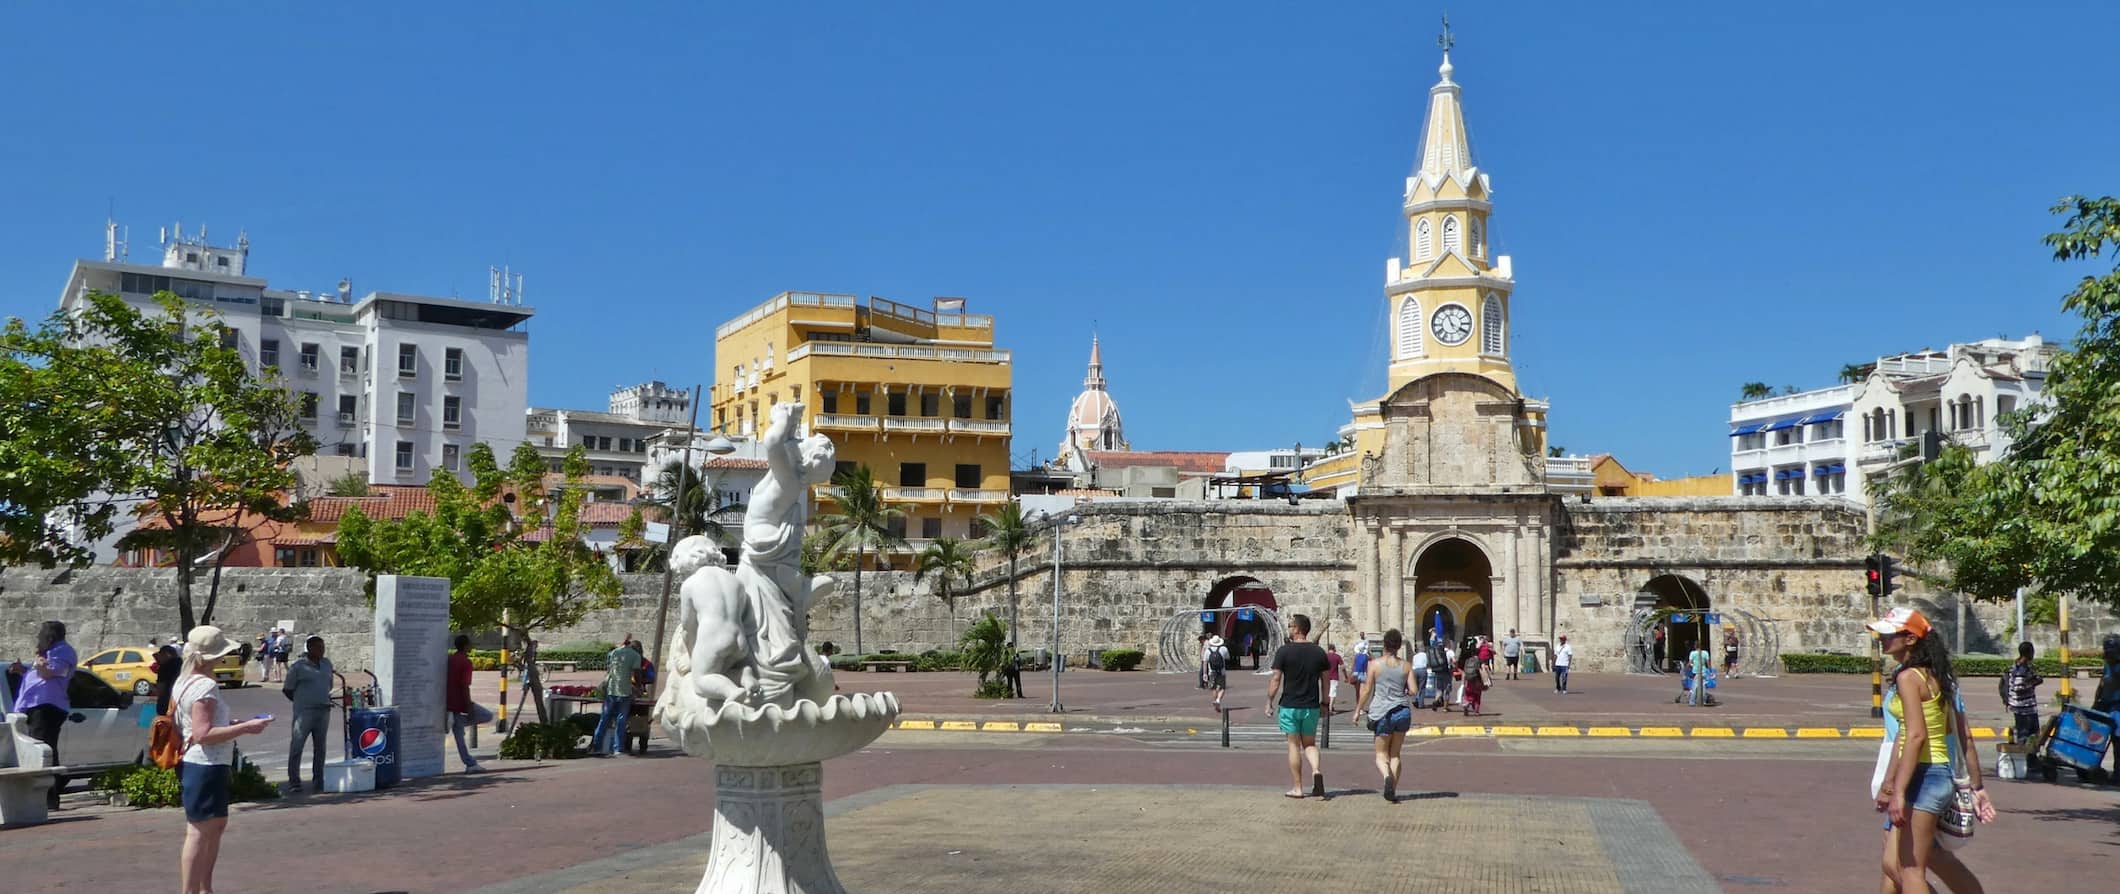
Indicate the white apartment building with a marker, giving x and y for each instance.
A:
(616, 439)
(1827, 441)
(402, 383)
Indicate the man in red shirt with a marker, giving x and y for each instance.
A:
(463, 711)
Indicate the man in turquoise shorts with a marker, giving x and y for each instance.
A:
(1295, 695)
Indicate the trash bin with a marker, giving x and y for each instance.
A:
(373, 734)
(1530, 661)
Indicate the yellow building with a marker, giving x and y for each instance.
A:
(921, 397)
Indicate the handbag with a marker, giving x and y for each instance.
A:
(1960, 815)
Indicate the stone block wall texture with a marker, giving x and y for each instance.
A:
(1128, 567)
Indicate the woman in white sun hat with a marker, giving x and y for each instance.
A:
(209, 750)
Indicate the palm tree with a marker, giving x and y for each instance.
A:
(1856, 372)
(863, 520)
(1006, 532)
(696, 516)
(1755, 391)
(951, 561)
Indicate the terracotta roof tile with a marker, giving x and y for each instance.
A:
(735, 462)
(384, 501)
(605, 513)
(1203, 462)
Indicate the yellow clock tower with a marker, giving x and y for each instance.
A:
(1449, 296)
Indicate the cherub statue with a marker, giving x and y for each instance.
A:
(741, 634)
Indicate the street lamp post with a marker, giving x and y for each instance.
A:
(720, 446)
(1058, 525)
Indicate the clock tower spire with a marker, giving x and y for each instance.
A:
(1448, 298)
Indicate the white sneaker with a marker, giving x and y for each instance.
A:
(474, 768)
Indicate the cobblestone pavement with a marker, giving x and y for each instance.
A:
(1153, 839)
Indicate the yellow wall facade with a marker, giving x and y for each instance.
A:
(926, 392)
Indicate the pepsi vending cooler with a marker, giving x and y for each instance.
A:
(373, 734)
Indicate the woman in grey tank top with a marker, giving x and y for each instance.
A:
(1388, 708)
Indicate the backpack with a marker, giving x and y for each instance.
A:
(1217, 660)
(165, 746)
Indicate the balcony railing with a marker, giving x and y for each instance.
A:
(896, 352)
(863, 423)
(916, 494)
(976, 495)
(914, 424)
(979, 427)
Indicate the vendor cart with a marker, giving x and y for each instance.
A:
(2077, 737)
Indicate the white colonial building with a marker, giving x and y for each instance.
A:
(402, 383)
(1824, 442)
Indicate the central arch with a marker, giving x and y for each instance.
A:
(1670, 597)
(1241, 628)
(1454, 587)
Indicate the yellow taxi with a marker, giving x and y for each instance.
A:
(126, 670)
(133, 670)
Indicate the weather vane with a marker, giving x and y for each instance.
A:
(1444, 40)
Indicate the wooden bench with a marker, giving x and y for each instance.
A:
(885, 665)
(546, 667)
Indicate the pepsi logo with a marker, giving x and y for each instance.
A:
(373, 741)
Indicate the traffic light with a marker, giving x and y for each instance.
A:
(1887, 567)
(1873, 574)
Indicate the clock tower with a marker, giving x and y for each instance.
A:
(1448, 297)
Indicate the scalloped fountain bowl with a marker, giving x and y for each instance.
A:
(770, 735)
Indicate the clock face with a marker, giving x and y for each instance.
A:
(1452, 324)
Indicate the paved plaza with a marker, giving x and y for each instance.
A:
(1132, 801)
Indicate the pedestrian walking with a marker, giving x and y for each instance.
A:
(42, 695)
(1487, 655)
(1385, 702)
(169, 665)
(308, 684)
(610, 736)
(1358, 666)
(1336, 671)
(1216, 666)
(1927, 765)
(1729, 646)
(1698, 662)
(1656, 648)
(1512, 652)
(1203, 660)
(282, 646)
(1012, 672)
(2020, 693)
(1295, 694)
(1563, 656)
(205, 771)
(1475, 682)
(463, 712)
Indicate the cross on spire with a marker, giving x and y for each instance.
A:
(1444, 40)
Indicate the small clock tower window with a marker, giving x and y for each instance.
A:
(1450, 235)
(1423, 246)
(1491, 327)
(1409, 328)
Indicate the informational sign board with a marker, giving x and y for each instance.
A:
(287, 624)
(411, 665)
(1207, 617)
(655, 532)
(1243, 614)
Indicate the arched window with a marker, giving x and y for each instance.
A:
(1479, 239)
(1423, 247)
(1451, 239)
(1409, 328)
(1491, 326)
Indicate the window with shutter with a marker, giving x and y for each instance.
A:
(1409, 328)
(1491, 327)
(1422, 246)
(1451, 241)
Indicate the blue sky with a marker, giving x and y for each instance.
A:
(1695, 195)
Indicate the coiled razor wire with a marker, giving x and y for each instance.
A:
(1758, 640)
(1178, 649)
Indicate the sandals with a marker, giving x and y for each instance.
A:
(1317, 785)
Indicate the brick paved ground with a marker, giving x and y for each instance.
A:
(1790, 814)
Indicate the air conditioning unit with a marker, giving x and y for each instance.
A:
(345, 420)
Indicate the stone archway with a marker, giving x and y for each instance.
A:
(1238, 593)
(1679, 606)
(1454, 587)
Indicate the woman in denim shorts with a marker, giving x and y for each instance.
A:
(1917, 784)
(1389, 709)
(209, 749)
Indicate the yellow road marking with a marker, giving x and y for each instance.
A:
(1001, 726)
(1865, 732)
(1559, 731)
(1512, 730)
(1425, 731)
(1765, 732)
(1465, 730)
(1817, 732)
(960, 725)
(1662, 732)
(1985, 732)
(916, 724)
(1714, 732)
(1612, 732)
(1041, 727)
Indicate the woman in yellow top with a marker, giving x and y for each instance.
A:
(1918, 783)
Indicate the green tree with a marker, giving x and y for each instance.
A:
(1754, 391)
(950, 560)
(2048, 512)
(63, 424)
(863, 522)
(1855, 372)
(351, 484)
(1007, 534)
(519, 571)
(986, 651)
(701, 513)
(204, 445)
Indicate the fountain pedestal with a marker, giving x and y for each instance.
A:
(769, 832)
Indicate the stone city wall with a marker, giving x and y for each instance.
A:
(105, 607)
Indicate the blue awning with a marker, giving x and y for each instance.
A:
(1782, 475)
(1747, 428)
(1780, 424)
(1827, 416)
